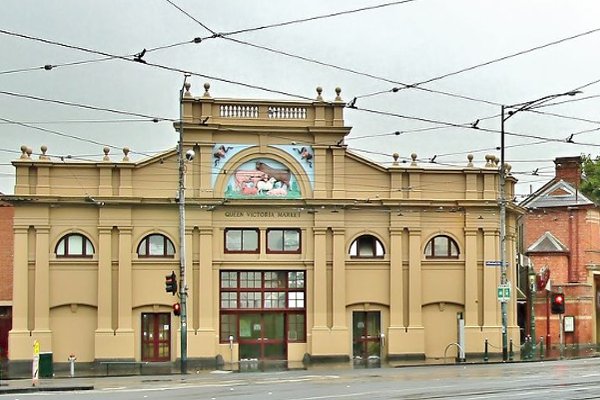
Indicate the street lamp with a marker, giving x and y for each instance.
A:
(515, 108)
(532, 289)
(181, 194)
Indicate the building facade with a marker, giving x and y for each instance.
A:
(561, 234)
(296, 247)
(6, 275)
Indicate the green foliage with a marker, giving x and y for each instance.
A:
(590, 184)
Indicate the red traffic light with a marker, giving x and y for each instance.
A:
(177, 309)
(558, 303)
(559, 299)
(171, 283)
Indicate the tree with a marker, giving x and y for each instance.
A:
(590, 184)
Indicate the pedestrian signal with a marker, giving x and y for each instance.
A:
(558, 303)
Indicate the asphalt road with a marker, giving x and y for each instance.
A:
(572, 379)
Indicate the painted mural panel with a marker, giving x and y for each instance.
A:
(304, 155)
(263, 178)
(222, 153)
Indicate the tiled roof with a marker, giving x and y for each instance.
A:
(557, 194)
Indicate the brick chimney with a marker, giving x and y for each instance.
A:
(568, 169)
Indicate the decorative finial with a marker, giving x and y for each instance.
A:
(106, 150)
(489, 160)
(206, 88)
(496, 161)
(413, 163)
(319, 91)
(29, 152)
(44, 149)
(395, 156)
(23, 152)
(470, 158)
(507, 168)
(126, 154)
(338, 90)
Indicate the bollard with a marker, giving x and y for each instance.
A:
(485, 351)
(511, 353)
(541, 347)
(72, 359)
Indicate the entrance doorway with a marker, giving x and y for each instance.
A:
(156, 336)
(366, 336)
(262, 336)
(5, 327)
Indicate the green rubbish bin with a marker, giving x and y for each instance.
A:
(46, 367)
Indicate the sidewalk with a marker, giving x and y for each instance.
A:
(83, 382)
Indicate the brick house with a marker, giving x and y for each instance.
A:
(6, 274)
(561, 232)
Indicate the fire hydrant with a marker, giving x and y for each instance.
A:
(72, 359)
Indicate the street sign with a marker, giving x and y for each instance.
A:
(494, 263)
(503, 293)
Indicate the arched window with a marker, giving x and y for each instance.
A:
(366, 246)
(441, 246)
(156, 245)
(74, 245)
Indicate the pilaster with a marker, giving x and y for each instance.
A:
(471, 286)
(125, 285)
(397, 329)
(19, 339)
(204, 342)
(42, 281)
(104, 332)
(491, 316)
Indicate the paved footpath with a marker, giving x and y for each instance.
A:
(203, 377)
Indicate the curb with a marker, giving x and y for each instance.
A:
(8, 390)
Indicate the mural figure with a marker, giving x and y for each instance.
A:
(220, 153)
(262, 178)
(305, 155)
(282, 175)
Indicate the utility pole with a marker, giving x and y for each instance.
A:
(181, 195)
(503, 280)
(503, 261)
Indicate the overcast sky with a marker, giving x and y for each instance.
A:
(401, 43)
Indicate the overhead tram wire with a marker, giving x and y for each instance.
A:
(166, 67)
(91, 121)
(227, 35)
(159, 66)
(49, 67)
(359, 73)
(302, 20)
(519, 53)
(66, 135)
(206, 76)
(85, 106)
(486, 63)
(53, 132)
(456, 125)
(191, 16)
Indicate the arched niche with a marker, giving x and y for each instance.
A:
(254, 175)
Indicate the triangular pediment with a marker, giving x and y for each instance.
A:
(547, 243)
(557, 194)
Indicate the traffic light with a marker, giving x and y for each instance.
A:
(558, 303)
(177, 309)
(171, 283)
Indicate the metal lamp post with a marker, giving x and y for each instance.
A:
(532, 289)
(515, 108)
(181, 195)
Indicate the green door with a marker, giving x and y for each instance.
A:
(366, 335)
(262, 336)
